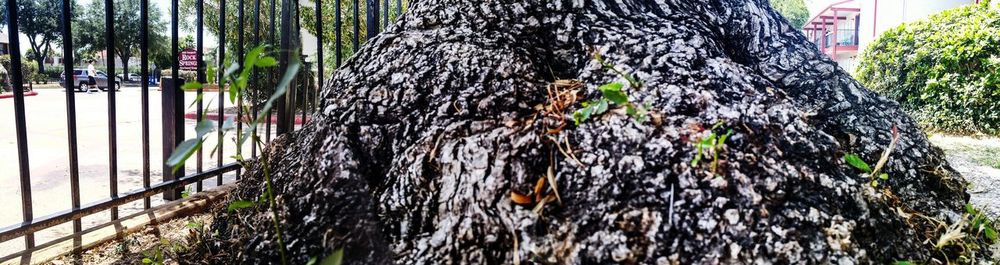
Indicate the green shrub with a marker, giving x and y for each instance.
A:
(188, 76)
(943, 70)
(53, 72)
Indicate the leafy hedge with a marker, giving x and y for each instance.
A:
(944, 70)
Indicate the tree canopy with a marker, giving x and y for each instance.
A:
(347, 25)
(40, 21)
(793, 10)
(90, 29)
(944, 70)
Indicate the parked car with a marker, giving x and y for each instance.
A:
(132, 77)
(81, 80)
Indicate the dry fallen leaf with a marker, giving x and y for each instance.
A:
(519, 198)
(539, 185)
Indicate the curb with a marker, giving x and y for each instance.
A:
(26, 94)
(215, 117)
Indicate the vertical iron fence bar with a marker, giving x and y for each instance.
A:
(285, 103)
(385, 14)
(371, 19)
(357, 27)
(22, 134)
(319, 43)
(144, 73)
(109, 34)
(221, 56)
(299, 81)
(274, 75)
(256, 42)
(399, 8)
(336, 32)
(172, 102)
(68, 73)
(200, 73)
(239, 101)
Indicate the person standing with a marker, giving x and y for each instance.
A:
(91, 75)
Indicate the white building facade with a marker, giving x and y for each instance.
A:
(843, 28)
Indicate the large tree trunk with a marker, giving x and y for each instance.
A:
(424, 134)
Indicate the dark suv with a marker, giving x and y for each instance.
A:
(82, 81)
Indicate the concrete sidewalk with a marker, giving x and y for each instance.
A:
(48, 145)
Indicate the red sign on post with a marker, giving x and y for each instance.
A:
(189, 59)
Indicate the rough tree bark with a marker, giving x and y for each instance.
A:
(422, 137)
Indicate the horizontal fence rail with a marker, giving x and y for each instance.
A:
(280, 25)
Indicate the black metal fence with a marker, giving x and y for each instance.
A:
(172, 102)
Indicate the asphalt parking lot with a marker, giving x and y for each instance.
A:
(49, 167)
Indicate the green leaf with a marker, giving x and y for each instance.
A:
(613, 92)
(267, 61)
(233, 93)
(236, 205)
(581, 115)
(233, 67)
(883, 176)
(182, 153)
(262, 198)
(252, 56)
(204, 127)
(192, 85)
(147, 261)
(856, 162)
(282, 88)
(697, 156)
(197, 98)
(602, 106)
(242, 82)
(903, 262)
(185, 194)
(229, 124)
(312, 261)
(194, 225)
(990, 233)
(334, 259)
(724, 137)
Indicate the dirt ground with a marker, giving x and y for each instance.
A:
(157, 243)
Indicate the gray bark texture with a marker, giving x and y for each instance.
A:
(422, 137)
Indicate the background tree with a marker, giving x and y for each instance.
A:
(347, 26)
(211, 23)
(39, 21)
(91, 30)
(794, 11)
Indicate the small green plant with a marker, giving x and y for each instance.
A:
(860, 164)
(712, 143)
(981, 225)
(856, 161)
(153, 256)
(612, 93)
(238, 78)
